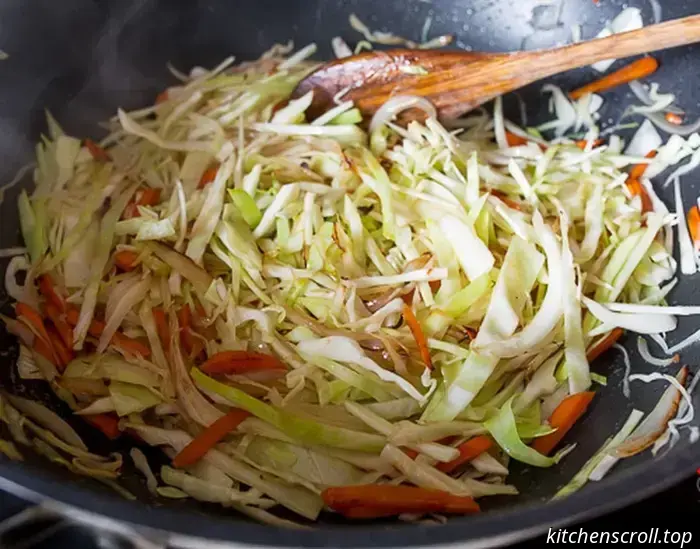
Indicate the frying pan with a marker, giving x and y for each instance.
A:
(81, 59)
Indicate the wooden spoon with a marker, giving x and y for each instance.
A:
(457, 81)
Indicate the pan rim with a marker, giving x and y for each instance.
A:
(495, 528)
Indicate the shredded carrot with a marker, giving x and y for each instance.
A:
(126, 260)
(142, 197)
(673, 118)
(45, 349)
(97, 152)
(637, 189)
(162, 97)
(107, 423)
(48, 290)
(241, 362)
(62, 327)
(514, 140)
(33, 318)
(207, 177)
(604, 344)
(147, 197)
(162, 327)
(637, 171)
(208, 438)
(562, 419)
(119, 340)
(582, 143)
(634, 71)
(63, 354)
(418, 335)
(413, 454)
(694, 225)
(471, 332)
(380, 500)
(467, 451)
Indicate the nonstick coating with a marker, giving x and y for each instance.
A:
(83, 59)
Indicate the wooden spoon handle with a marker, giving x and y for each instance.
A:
(653, 38)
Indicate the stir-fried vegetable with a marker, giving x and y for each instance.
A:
(307, 310)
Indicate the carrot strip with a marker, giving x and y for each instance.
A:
(604, 344)
(63, 353)
(162, 327)
(507, 201)
(582, 143)
(634, 71)
(514, 140)
(130, 345)
(376, 500)
(107, 423)
(48, 290)
(142, 197)
(209, 438)
(241, 362)
(563, 418)
(62, 327)
(467, 451)
(125, 260)
(33, 318)
(97, 152)
(418, 335)
(410, 452)
(637, 171)
(637, 189)
(207, 177)
(673, 118)
(694, 225)
(162, 97)
(45, 349)
(125, 343)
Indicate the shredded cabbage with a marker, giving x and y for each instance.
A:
(362, 294)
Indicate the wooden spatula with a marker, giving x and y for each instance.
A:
(457, 81)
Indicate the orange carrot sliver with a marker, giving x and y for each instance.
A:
(33, 318)
(563, 418)
(514, 140)
(107, 423)
(604, 344)
(45, 349)
(374, 500)
(207, 177)
(162, 97)
(637, 69)
(582, 143)
(162, 327)
(208, 438)
(62, 327)
(48, 290)
(637, 189)
(97, 152)
(694, 225)
(63, 353)
(125, 260)
(418, 335)
(147, 197)
(673, 118)
(467, 451)
(241, 362)
(637, 171)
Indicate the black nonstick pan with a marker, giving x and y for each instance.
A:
(81, 59)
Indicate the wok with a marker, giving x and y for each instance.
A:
(81, 59)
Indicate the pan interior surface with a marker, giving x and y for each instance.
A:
(82, 60)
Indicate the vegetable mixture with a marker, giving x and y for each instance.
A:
(306, 314)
